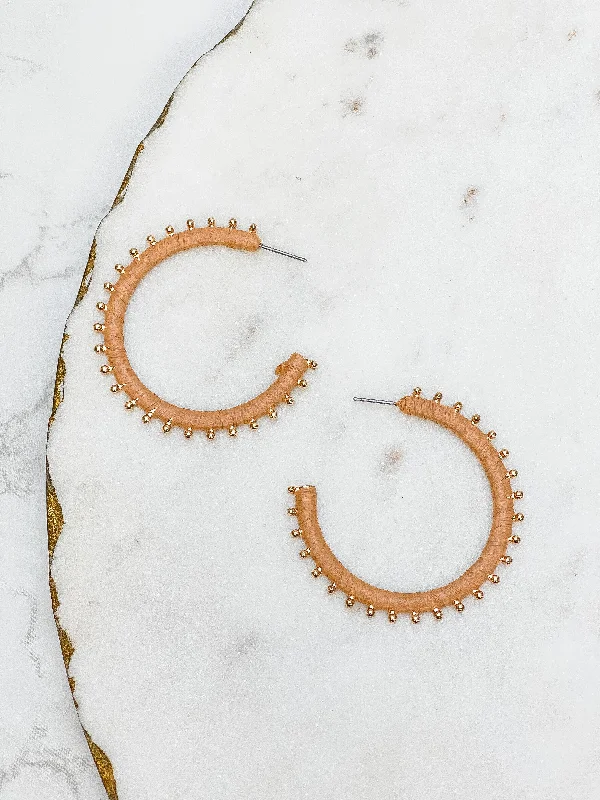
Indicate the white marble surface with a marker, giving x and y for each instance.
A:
(439, 169)
(80, 85)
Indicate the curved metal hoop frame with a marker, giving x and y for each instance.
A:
(470, 582)
(289, 374)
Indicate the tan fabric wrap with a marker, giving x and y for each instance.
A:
(474, 577)
(287, 373)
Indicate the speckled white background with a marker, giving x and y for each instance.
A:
(439, 169)
(80, 84)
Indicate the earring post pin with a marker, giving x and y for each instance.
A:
(372, 400)
(282, 252)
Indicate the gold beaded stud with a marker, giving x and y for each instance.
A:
(415, 617)
(273, 413)
(211, 222)
(494, 578)
(350, 600)
(475, 419)
(370, 611)
(252, 228)
(151, 240)
(459, 605)
(116, 387)
(392, 615)
(514, 539)
(253, 425)
(311, 364)
(188, 433)
(99, 348)
(109, 286)
(105, 369)
(120, 268)
(170, 230)
(292, 489)
(478, 594)
(210, 434)
(332, 587)
(437, 397)
(437, 613)
(232, 430)
(288, 399)
(305, 553)
(167, 426)
(293, 512)
(134, 252)
(190, 224)
(458, 407)
(506, 560)
(147, 417)
(99, 327)
(503, 453)
(297, 532)
(129, 404)
(512, 473)
(302, 382)
(233, 224)
(101, 306)
(316, 572)
(518, 495)
(518, 517)
(417, 391)
(491, 435)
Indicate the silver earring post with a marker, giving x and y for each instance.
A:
(372, 400)
(283, 253)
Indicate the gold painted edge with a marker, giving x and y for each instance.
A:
(54, 514)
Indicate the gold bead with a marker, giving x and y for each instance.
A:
(475, 419)
(273, 413)
(305, 553)
(101, 306)
(170, 230)
(252, 228)
(120, 268)
(190, 224)
(415, 617)
(518, 495)
(147, 417)
(232, 431)
(288, 399)
(134, 252)
(297, 532)
(491, 435)
(458, 407)
(188, 433)
(210, 434)
(99, 327)
(350, 600)
(477, 593)
(392, 615)
(512, 473)
(116, 387)
(503, 453)
(167, 426)
(518, 517)
(514, 539)
(311, 364)
(437, 397)
(99, 348)
(437, 613)
(370, 611)
(129, 404)
(253, 425)
(302, 382)
(292, 489)
(211, 222)
(331, 588)
(105, 369)
(233, 224)
(109, 286)
(151, 240)
(459, 605)
(506, 560)
(494, 578)
(316, 572)
(417, 391)
(293, 512)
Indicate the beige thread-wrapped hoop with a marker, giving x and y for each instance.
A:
(289, 374)
(453, 594)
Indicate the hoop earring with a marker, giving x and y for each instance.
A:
(470, 582)
(289, 374)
